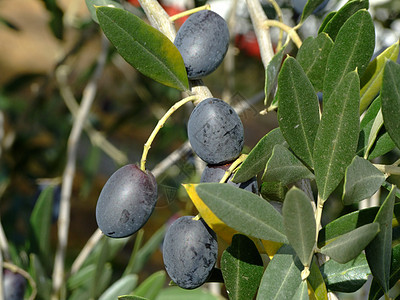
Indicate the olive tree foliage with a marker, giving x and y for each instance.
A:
(337, 111)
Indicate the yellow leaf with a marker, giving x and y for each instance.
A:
(220, 228)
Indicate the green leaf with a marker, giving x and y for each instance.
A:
(336, 139)
(143, 47)
(129, 297)
(326, 20)
(337, 20)
(308, 9)
(298, 110)
(366, 126)
(299, 222)
(43, 283)
(40, 221)
(371, 81)
(371, 113)
(242, 268)
(151, 286)
(81, 278)
(348, 277)
(361, 181)
(245, 212)
(258, 157)
(56, 18)
(313, 56)
(273, 191)
(379, 250)
(383, 145)
(284, 167)
(124, 285)
(390, 95)
(352, 50)
(373, 133)
(349, 245)
(176, 293)
(102, 275)
(376, 290)
(301, 292)
(282, 276)
(91, 5)
(271, 76)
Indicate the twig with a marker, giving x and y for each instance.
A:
(84, 253)
(189, 12)
(96, 138)
(69, 172)
(289, 30)
(280, 18)
(258, 17)
(17, 269)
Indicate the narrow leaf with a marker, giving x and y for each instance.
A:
(347, 246)
(316, 283)
(271, 76)
(326, 20)
(372, 112)
(245, 212)
(242, 268)
(312, 56)
(390, 95)
(273, 191)
(376, 291)
(348, 277)
(176, 293)
(361, 181)
(151, 286)
(371, 81)
(352, 50)
(383, 145)
(298, 110)
(373, 133)
(143, 47)
(337, 20)
(124, 285)
(284, 167)
(302, 292)
(310, 6)
(282, 276)
(379, 250)
(91, 5)
(258, 157)
(336, 139)
(299, 222)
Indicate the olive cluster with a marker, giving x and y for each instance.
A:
(216, 135)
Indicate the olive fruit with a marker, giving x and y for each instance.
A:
(189, 252)
(14, 285)
(215, 131)
(202, 41)
(126, 201)
(214, 173)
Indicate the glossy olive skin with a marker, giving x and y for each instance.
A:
(190, 251)
(215, 131)
(214, 173)
(14, 285)
(126, 201)
(202, 41)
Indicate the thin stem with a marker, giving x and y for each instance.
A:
(280, 18)
(388, 169)
(289, 30)
(86, 250)
(232, 168)
(189, 12)
(159, 125)
(28, 277)
(69, 171)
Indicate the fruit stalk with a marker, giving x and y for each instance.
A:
(159, 125)
(189, 12)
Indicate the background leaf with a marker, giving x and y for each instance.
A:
(258, 157)
(299, 222)
(348, 277)
(143, 47)
(339, 18)
(371, 81)
(336, 139)
(176, 293)
(349, 245)
(245, 212)
(151, 286)
(242, 268)
(122, 286)
(379, 250)
(352, 50)
(390, 95)
(361, 181)
(284, 167)
(308, 9)
(312, 56)
(298, 110)
(282, 276)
